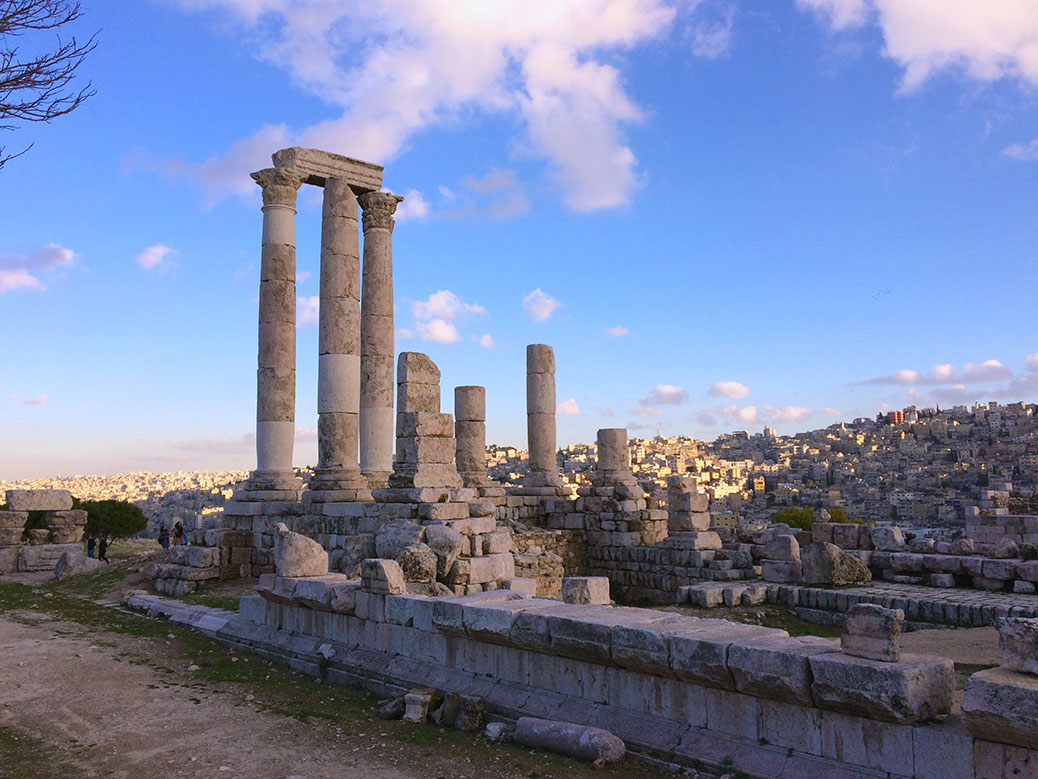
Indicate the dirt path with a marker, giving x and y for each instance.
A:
(104, 716)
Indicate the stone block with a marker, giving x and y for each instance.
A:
(297, 555)
(829, 564)
(864, 742)
(699, 653)
(733, 714)
(644, 648)
(943, 751)
(781, 571)
(1018, 638)
(776, 668)
(887, 539)
(1002, 705)
(344, 596)
(584, 632)
(916, 689)
(38, 500)
(872, 632)
(521, 585)
(782, 547)
(424, 424)
(316, 592)
(493, 621)
(382, 576)
(497, 543)
(791, 726)
(586, 590)
(252, 608)
(700, 540)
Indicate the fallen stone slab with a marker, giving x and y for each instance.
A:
(829, 564)
(776, 668)
(74, 563)
(567, 738)
(586, 590)
(871, 631)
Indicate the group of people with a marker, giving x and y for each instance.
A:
(176, 538)
(101, 546)
(166, 539)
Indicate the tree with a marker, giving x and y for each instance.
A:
(112, 518)
(837, 514)
(799, 518)
(38, 87)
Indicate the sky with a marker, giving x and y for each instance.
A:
(722, 214)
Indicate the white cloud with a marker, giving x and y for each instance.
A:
(706, 418)
(1032, 362)
(539, 305)
(568, 408)
(505, 194)
(439, 330)
(729, 389)
(444, 305)
(1025, 152)
(665, 394)
(746, 415)
(605, 411)
(414, 206)
(984, 41)
(956, 393)
(786, 414)
(19, 278)
(435, 317)
(486, 341)
(39, 400)
(156, 256)
(404, 333)
(646, 412)
(308, 310)
(25, 271)
(394, 68)
(711, 37)
(832, 412)
(841, 14)
(616, 332)
(301, 276)
(970, 373)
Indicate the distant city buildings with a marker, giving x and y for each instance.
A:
(918, 467)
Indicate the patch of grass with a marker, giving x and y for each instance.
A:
(768, 615)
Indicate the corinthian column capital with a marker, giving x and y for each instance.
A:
(379, 208)
(279, 186)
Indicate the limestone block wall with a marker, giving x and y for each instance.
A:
(38, 549)
(736, 697)
(936, 564)
(989, 530)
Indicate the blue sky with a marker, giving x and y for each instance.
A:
(722, 214)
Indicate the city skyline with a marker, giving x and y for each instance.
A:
(721, 216)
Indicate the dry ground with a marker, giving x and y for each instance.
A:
(88, 691)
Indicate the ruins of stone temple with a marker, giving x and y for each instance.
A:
(25, 549)
(401, 566)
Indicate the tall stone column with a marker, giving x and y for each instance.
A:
(276, 376)
(470, 433)
(540, 416)
(337, 476)
(377, 424)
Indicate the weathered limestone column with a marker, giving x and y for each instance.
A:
(470, 433)
(337, 476)
(376, 339)
(276, 376)
(540, 416)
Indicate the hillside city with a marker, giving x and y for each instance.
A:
(919, 468)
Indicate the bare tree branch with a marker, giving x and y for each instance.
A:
(38, 88)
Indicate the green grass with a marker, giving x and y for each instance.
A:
(768, 615)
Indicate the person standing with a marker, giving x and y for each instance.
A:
(102, 549)
(90, 546)
(178, 534)
(164, 538)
